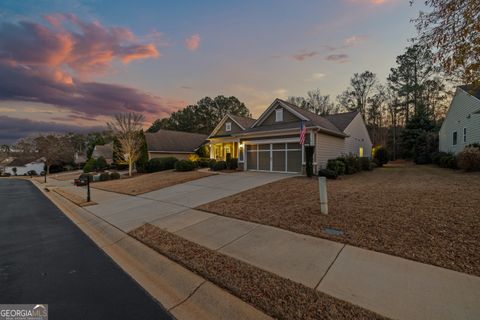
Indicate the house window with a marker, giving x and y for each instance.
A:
(464, 135)
(279, 115)
(228, 126)
(454, 138)
(360, 152)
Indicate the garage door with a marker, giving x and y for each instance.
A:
(274, 157)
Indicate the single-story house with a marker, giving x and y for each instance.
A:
(461, 126)
(272, 142)
(168, 143)
(105, 151)
(23, 166)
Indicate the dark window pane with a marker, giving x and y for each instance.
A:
(264, 161)
(294, 161)
(252, 160)
(264, 147)
(277, 146)
(278, 161)
(293, 146)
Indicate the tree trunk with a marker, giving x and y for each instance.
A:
(130, 165)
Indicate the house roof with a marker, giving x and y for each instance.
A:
(342, 120)
(20, 162)
(472, 90)
(245, 122)
(105, 151)
(174, 141)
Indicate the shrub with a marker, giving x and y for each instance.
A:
(337, 166)
(352, 163)
(329, 174)
(86, 176)
(448, 160)
(436, 156)
(160, 164)
(114, 175)
(365, 163)
(184, 165)
(105, 176)
(89, 166)
(101, 163)
(381, 156)
(469, 158)
(204, 162)
(233, 165)
(219, 165)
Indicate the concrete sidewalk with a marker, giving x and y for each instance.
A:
(391, 286)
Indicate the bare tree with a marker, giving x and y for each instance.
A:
(127, 129)
(356, 96)
(315, 102)
(54, 148)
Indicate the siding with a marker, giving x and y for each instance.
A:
(287, 117)
(223, 131)
(327, 147)
(358, 137)
(21, 170)
(179, 156)
(460, 115)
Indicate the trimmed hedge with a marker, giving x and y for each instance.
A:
(114, 176)
(366, 164)
(105, 176)
(185, 165)
(381, 156)
(160, 164)
(204, 162)
(337, 166)
(218, 165)
(232, 164)
(329, 174)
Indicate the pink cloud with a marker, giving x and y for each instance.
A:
(192, 43)
(304, 55)
(338, 58)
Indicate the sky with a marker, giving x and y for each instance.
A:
(72, 65)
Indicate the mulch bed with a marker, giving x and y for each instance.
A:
(423, 213)
(278, 297)
(144, 183)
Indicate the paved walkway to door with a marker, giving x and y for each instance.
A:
(391, 286)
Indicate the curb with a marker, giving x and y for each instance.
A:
(181, 292)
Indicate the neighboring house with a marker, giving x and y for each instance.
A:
(461, 126)
(168, 143)
(24, 166)
(271, 143)
(105, 151)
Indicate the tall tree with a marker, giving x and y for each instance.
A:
(203, 116)
(375, 114)
(127, 129)
(453, 28)
(414, 68)
(315, 102)
(356, 96)
(54, 148)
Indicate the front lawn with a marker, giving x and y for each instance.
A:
(149, 182)
(423, 213)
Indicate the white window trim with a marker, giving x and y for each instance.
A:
(454, 143)
(228, 126)
(279, 115)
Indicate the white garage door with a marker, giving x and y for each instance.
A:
(275, 157)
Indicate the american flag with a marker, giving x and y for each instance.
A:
(303, 132)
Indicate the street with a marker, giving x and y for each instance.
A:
(46, 259)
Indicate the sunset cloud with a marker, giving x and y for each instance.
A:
(338, 58)
(304, 55)
(356, 39)
(192, 43)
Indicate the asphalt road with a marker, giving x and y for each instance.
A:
(46, 259)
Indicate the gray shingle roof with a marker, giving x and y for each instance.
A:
(105, 151)
(174, 141)
(245, 122)
(342, 120)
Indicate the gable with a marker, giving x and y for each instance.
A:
(287, 117)
(269, 115)
(357, 129)
(234, 127)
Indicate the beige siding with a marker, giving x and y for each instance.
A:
(358, 137)
(222, 130)
(460, 115)
(179, 156)
(287, 117)
(327, 147)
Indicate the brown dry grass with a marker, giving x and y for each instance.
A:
(280, 298)
(149, 182)
(423, 213)
(79, 201)
(65, 176)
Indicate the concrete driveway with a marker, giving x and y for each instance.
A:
(173, 206)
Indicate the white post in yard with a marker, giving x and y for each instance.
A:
(322, 188)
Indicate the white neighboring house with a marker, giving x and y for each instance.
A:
(24, 166)
(462, 122)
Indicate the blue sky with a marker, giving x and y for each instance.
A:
(168, 54)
